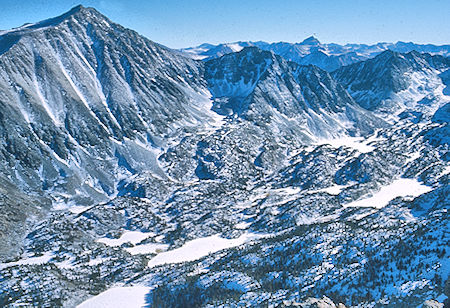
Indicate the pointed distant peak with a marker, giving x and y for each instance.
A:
(75, 9)
(388, 54)
(80, 11)
(206, 45)
(310, 41)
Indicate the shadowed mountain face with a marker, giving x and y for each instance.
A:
(392, 82)
(258, 180)
(266, 89)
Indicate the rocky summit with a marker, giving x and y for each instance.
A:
(236, 175)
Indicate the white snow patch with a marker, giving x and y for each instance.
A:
(147, 248)
(96, 261)
(66, 264)
(331, 190)
(133, 237)
(118, 297)
(235, 47)
(198, 248)
(60, 203)
(242, 225)
(409, 286)
(303, 219)
(357, 143)
(399, 188)
(288, 190)
(445, 171)
(413, 157)
(46, 257)
(77, 209)
(197, 57)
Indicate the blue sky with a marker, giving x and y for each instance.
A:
(187, 23)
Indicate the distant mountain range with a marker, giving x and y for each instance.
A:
(326, 56)
(134, 175)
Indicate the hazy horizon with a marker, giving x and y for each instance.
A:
(191, 23)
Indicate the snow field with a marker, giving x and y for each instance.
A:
(199, 248)
(398, 188)
(118, 297)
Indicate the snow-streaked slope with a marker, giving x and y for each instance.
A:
(29, 261)
(96, 99)
(358, 143)
(86, 104)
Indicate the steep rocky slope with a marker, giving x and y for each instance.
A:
(393, 83)
(266, 89)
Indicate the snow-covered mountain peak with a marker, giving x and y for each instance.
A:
(70, 20)
(85, 89)
(78, 12)
(312, 41)
(80, 15)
